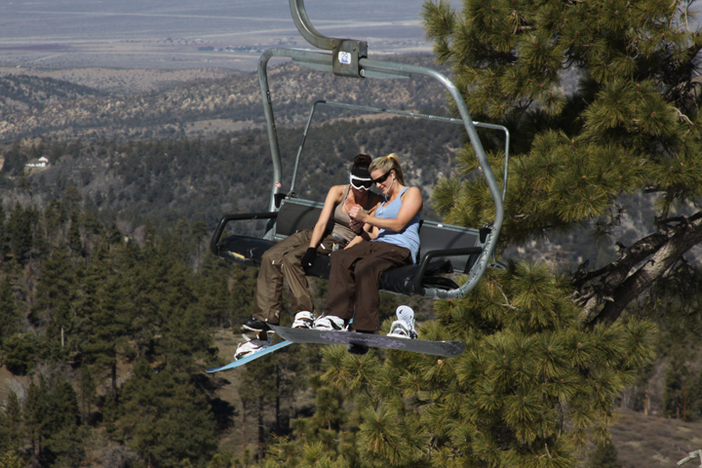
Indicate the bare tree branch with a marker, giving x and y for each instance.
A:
(604, 293)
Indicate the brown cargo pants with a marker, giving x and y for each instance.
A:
(354, 280)
(282, 261)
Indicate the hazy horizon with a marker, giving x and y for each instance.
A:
(189, 34)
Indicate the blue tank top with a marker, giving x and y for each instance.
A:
(408, 237)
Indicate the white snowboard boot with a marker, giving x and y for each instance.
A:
(403, 327)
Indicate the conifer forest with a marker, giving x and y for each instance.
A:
(112, 305)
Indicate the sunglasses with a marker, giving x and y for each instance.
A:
(360, 183)
(382, 178)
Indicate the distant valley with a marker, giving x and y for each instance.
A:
(194, 149)
(181, 35)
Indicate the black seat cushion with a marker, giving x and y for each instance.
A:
(401, 280)
(244, 249)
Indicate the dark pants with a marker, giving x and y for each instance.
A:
(283, 261)
(354, 279)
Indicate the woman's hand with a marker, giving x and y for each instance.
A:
(356, 213)
(308, 259)
(355, 225)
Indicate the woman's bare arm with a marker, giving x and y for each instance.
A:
(333, 198)
(411, 205)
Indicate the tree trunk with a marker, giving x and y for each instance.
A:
(278, 425)
(261, 432)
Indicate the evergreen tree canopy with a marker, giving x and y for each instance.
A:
(532, 385)
(9, 313)
(11, 437)
(605, 456)
(630, 127)
(164, 418)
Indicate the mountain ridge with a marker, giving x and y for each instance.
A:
(164, 112)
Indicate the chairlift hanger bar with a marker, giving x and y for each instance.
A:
(342, 60)
(347, 50)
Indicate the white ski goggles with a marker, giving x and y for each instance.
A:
(360, 181)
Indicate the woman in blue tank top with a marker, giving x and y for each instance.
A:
(390, 239)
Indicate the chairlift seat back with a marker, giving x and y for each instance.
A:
(296, 214)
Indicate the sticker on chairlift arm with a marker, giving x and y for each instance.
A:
(345, 58)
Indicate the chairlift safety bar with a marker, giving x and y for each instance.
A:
(382, 110)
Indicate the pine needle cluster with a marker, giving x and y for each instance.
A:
(631, 124)
(533, 386)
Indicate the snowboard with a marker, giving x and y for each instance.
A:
(249, 358)
(305, 335)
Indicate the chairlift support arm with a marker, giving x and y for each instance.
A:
(381, 110)
(346, 51)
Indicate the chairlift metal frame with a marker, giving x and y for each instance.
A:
(383, 110)
(348, 58)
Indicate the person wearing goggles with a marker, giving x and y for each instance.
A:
(360, 179)
(292, 257)
(393, 231)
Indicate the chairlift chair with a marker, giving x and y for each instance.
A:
(444, 249)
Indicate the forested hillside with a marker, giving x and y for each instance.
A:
(103, 343)
(26, 93)
(201, 179)
(111, 305)
(104, 340)
(111, 297)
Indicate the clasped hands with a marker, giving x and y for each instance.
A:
(358, 217)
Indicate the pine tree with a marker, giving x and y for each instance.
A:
(114, 235)
(14, 158)
(20, 352)
(103, 312)
(165, 418)
(11, 428)
(605, 456)
(55, 217)
(260, 383)
(64, 439)
(72, 198)
(630, 127)
(199, 231)
(3, 233)
(9, 313)
(54, 302)
(75, 240)
(19, 229)
(532, 385)
(243, 285)
(40, 245)
(213, 279)
(11, 459)
(88, 391)
(34, 416)
(675, 389)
